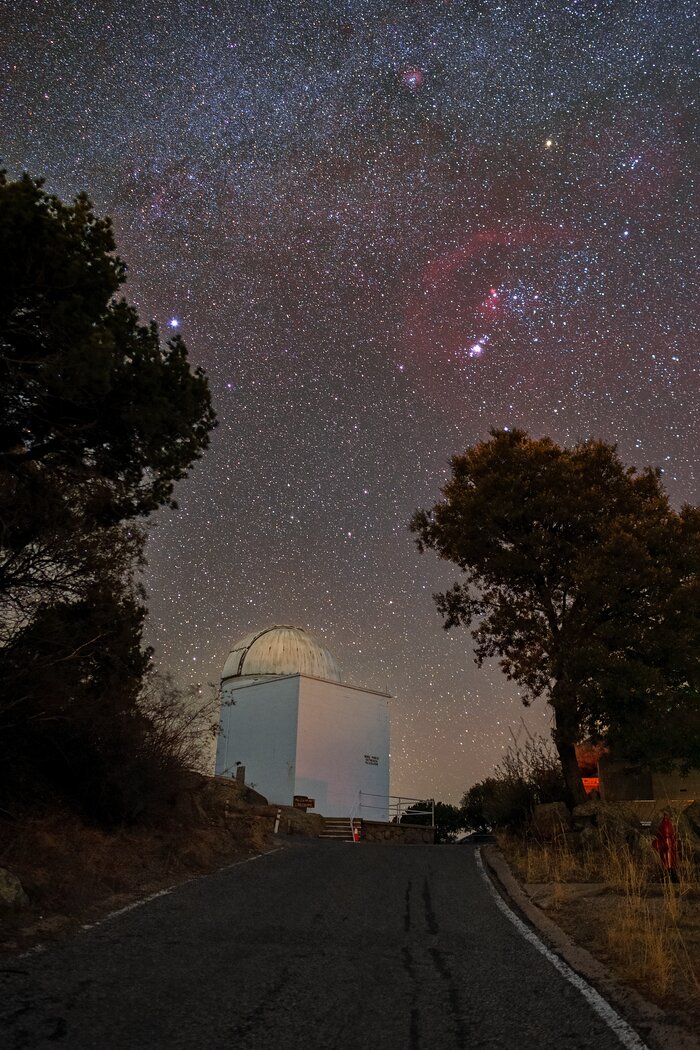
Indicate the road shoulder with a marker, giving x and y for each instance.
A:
(659, 1030)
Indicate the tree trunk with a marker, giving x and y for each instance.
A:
(565, 737)
(575, 793)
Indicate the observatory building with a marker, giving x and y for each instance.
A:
(298, 729)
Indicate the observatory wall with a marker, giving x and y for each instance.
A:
(342, 747)
(260, 730)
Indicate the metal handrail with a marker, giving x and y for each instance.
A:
(396, 806)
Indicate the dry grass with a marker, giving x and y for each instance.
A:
(641, 942)
(70, 869)
(646, 927)
(549, 862)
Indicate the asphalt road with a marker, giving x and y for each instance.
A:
(320, 945)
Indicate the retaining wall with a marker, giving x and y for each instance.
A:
(377, 831)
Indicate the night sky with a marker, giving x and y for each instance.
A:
(383, 228)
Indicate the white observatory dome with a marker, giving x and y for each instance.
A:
(280, 650)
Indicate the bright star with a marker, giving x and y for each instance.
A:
(173, 322)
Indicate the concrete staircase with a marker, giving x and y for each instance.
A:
(338, 828)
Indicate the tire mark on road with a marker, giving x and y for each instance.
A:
(430, 919)
(413, 1036)
(443, 969)
(408, 962)
(409, 967)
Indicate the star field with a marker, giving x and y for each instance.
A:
(382, 227)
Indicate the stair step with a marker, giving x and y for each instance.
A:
(339, 829)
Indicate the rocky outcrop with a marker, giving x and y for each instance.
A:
(551, 821)
(610, 823)
(12, 894)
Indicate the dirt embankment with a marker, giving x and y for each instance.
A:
(73, 872)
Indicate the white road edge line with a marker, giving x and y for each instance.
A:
(171, 889)
(37, 949)
(627, 1035)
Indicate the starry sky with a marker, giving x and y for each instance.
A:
(383, 227)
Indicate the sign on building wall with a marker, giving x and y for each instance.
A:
(304, 802)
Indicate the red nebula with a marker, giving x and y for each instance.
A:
(412, 79)
(457, 299)
(491, 302)
(488, 307)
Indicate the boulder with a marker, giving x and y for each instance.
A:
(11, 893)
(614, 822)
(551, 821)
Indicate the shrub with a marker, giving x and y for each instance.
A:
(527, 775)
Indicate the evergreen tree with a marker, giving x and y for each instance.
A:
(86, 390)
(98, 420)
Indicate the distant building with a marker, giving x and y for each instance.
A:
(620, 784)
(298, 729)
